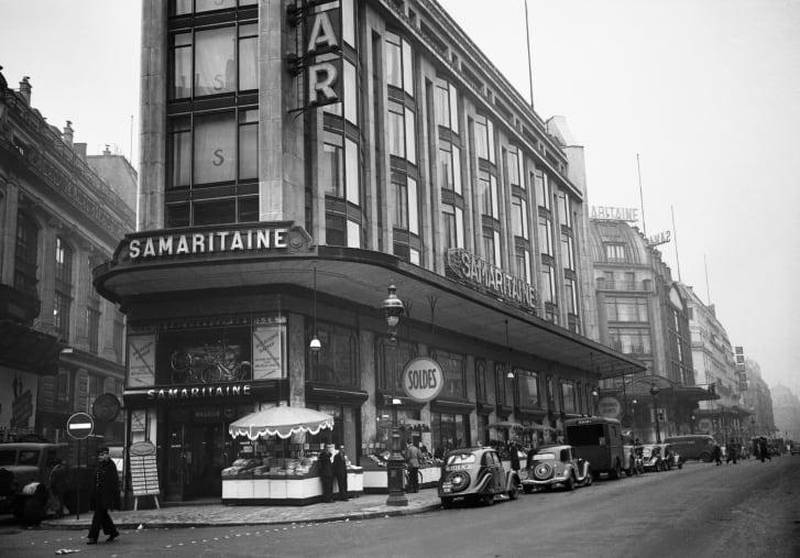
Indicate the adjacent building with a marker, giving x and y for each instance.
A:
(297, 161)
(757, 399)
(786, 406)
(643, 313)
(61, 214)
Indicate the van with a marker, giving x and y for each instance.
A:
(599, 441)
(693, 446)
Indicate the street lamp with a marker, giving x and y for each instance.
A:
(393, 310)
(653, 393)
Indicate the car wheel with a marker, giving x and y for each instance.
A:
(589, 478)
(705, 457)
(570, 484)
(487, 499)
(513, 494)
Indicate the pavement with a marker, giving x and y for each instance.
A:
(366, 506)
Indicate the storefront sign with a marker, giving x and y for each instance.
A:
(465, 267)
(609, 407)
(206, 242)
(18, 394)
(704, 425)
(660, 238)
(141, 360)
(205, 392)
(324, 52)
(423, 379)
(629, 214)
(269, 346)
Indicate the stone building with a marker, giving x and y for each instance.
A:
(757, 399)
(61, 344)
(297, 162)
(786, 407)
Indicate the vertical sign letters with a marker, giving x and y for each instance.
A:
(323, 53)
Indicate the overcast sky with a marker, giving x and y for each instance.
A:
(707, 92)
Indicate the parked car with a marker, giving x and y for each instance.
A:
(556, 465)
(599, 441)
(24, 471)
(653, 457)
(671, 457)
(693, 446)
(475, 474)
(633, 464)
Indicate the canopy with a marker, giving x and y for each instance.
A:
(283, 421)
(507, 425)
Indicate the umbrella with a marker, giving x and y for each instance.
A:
(504, 424)
(283, 421)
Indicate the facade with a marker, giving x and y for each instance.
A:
(786, 407)
(727, 416)
(289, 216)
(61, 344)
(642, 312)
(758, 400)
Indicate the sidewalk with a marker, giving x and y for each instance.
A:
(364, 507)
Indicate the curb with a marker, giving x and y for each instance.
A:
(133, 526)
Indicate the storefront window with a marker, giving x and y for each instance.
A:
(212, 355)
(568, 394)
(454, 368)
(393, 357)
(528, 388)
(449, 431)
(337, 362)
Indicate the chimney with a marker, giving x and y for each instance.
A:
(80, 149)
(68, 133)
(106, 151)
(25, 89)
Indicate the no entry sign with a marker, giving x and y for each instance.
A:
(80, 426)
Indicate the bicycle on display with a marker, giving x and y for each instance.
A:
(210, 365)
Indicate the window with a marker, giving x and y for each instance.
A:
(453, 366)
(450, 167)
(396, 126)
(63, 385)
(519, 216)
(481, 392)
(514, 167)
(119, 334)
(487, 184)
(453, 226)
(446, 101)
(542, 189)
(626, 309)
(491, 247)
(548, 289)
(523, 262)
(221, 60)
(399, 63)
(93, 323)
(26, 253)
(331, 170)
(349, 22)
(567, 251)
(630, 341)
(336, 363)
(615, 252)
(527, 389)
(569, 400)
(571, 296)
(403, 351)
(63, 288)
(564, 210)
(484, 138)
(545, 236)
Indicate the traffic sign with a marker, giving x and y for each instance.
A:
(80, 426)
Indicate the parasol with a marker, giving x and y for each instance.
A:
(281, 421)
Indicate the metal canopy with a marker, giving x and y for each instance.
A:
(362, 276)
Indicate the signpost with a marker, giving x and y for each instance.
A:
(79, 427)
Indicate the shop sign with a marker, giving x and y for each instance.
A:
(207, 242)
(423, 379)
(465, 267)
(142, 449)
(704, 425)
(323, 50)
(628, 214)
(660, 238)
(609, 407)
(205, 392)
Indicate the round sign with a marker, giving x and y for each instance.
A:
(704, 425)
(106, 407)
(80, 426)
(609, 407)
(141, 449)
(423, 379)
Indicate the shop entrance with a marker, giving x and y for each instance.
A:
(199, 448)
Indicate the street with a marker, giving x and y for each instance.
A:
(749, 509)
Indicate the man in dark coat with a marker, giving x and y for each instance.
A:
(58, 485)
(105, 496)
(514, 456)
(340, 472)
(326, 475)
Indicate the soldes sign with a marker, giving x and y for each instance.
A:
(423, 379)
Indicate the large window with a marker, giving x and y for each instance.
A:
(626, 309)
(567, 251)
(481, 388)
(548, 287)
(454, 368)
(489, 195)
(446, 101)
(181, 7)
(571, 295)
(406, 210)
(569, 396)
(484, 138)
(615, 252)
(453, 226)
(63, 288)
(336, 363)
(545, 236)
(399, 63)
(514, 167)
(211, 61)
(491, 247)
(402, 132)
(93, 323)
(564, 210)
(542, 189)
(523, 262)
(450, 167)
(630, 341)
(26, 253)
(527, 389)
(393, 359)
(519, 216)
(339, 169)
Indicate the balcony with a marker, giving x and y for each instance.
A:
(21, 306)
(645, 286)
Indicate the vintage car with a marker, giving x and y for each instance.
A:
(660, 457)
(557, 464)
(476, 474)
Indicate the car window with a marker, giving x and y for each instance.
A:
(564, 455)
(8, 457)
(544, 456)
(28, 457)
(461, 458)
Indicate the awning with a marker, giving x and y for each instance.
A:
(362, 277)
(280, 421)
(28, 349)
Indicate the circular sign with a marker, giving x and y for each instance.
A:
(609, 407)
(80, 426)
(106, 407)
(704, 425)
(141, 449)
(423, 379)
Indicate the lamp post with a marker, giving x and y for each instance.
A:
(653, 393)
(393, 309)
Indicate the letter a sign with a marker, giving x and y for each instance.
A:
(323, 49)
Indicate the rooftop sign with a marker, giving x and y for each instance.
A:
(628, 214)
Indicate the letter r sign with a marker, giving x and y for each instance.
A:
(323, 82)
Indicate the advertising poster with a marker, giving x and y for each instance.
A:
(18, 391)
(141, 360)
(269, 347)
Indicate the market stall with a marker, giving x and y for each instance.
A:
(269, 469)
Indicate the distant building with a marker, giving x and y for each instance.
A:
(714, 364)
(642, 312)
(61, 344)
(757, 399)
(786, 406)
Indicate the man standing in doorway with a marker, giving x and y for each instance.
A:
(105, 497)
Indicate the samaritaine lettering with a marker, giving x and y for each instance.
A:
(205, 392)
(205, 243)
(470, 268)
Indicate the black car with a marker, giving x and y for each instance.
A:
(476, 474)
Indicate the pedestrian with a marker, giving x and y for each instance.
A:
(326, 474)
(412, 463)
(340, 472)
(717, 454)
(105, 496)
(512, 450)
(58, 485)
(732, 452)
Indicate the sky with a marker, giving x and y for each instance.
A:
(706, 92)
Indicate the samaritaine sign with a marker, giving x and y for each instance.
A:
(467, 268)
